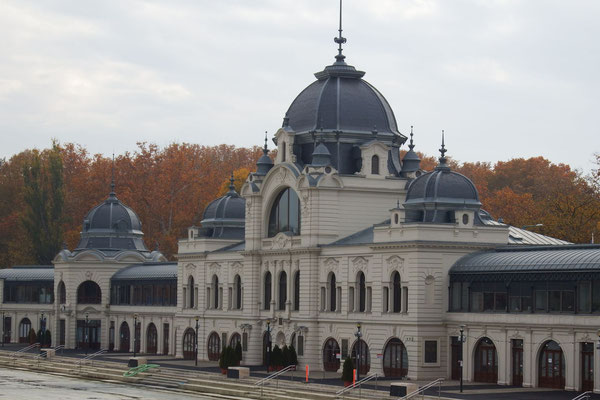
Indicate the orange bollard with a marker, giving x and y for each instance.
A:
(354, 376)
(306, 373)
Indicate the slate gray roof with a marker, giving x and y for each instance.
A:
(361, 237)
(241, 246)
(568, 258)
(147, 272)
(28, 273)
(523, 236)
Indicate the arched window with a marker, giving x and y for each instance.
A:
(151, 339)
(362, 292)
(215, 291)
(190, 290)
(282, 290)
(237, 283)
(395, 359)
(89, 293)
(285, 213)
(332, 292)
(297, 291)
(360, 351)
(486, 361)
(124, 338)
(396, 292)
(62, 293)
(375, 165)
(552, 368)
(189, 341)
(267, 290)
(235, 339)
(24, 328)
(330, 351)
(214, 347)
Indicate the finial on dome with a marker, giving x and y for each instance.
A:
(443, 159)
(266, 148)
(340, 40)
(231, 185)
(112, 178)
(411, 145)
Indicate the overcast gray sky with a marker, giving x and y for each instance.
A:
(504, 78)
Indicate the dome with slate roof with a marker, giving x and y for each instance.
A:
(224, 218)
(436, 195)
(112, 226)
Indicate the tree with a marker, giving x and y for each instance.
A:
(276, 357)
(239, 177)
(238, 353)
(348, 370)
(32, 336)
(285, 356)
(293, 356)
(44, 200)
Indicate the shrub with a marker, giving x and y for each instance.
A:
(285, 356)
(32, 336)
(222, 361)
(347, 371)
(48, 338)
(293, 355)
(276, 357)
(238, 353)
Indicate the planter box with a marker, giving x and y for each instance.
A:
(238, 372)
(401, 389)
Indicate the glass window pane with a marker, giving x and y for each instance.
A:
(284, 225)
(456, 286)
(568, 301)
(540, 300)
(554, 300)
(431, 351)
(584, 297)
(293, 212)
(488, 301)
(515, 304)
(526, 303)
(500, 304)
(476, 302)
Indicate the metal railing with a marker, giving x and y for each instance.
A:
(358, 385)
(274, 375)
(60, 347)
(90, 357)
(45, 355)
(582, 396)
(23, 350)
(422, 389)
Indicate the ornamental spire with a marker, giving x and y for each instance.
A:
(231, 185)
(443, 159)
(112, 178)
(411, 145)
(340, 40)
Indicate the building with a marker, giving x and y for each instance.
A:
(340, 248)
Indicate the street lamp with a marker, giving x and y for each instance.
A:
(135, 317)
(460, 361)
(268, 344)
(358, 335)
(87, 334)
(2, 326)
(532, 226)
(42, 339)
(196, 344)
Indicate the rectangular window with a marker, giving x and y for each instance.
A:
(515, 304)
(488, 301)
(351, 299)
(596, 296)
(526, 303)
(567, 301)
(244, 341)
(386, 299)
(477, 302)
(541, 300)
(431, 351)
(584, 297)
(369, 298)
(300, 345)
(554, 300)
(405, 299)
(500, 302)
(456, 296)
(344, 348)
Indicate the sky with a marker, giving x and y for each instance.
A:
(503, 78)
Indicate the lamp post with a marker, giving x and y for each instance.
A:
(532, 226)
(358, 335)
(135, 317)
(196, 344)
(268, 344)
(87, 334)
(2, 327)
(42, 339)
(460, 360)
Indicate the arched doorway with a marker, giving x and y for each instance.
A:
(151, 339)
(89, 292)
(235, 339)
(486, 361)
(24, 328)
(395, 359)
(551, 371)
(362, 349)
(330, 351)
(124, 338)
(189, 340)
(214, 347)
(266, 345)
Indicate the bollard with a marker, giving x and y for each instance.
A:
(354, 376)
(306, 373)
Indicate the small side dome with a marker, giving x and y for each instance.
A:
(264, 163)
(224, 218)
(436, 195)
(411, 162)
(112, 226)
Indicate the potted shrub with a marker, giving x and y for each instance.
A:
(32, 336)
(48, 338)
(276, 358)
(293, 355)
(348, 372)
(285, 356)
(238, 353)
(223, 361)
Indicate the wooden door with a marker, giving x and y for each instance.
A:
(486, 362)
(587, 367)
(455, 358)
(124, 338)
(517, 362)
(165, 339)
(552, 367)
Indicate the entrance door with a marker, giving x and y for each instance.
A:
(124, 338)
(189, 342)
(151, 339)
(517, 362)
(486, 362)
(331, 362)
(138, 337)
(61, 332)
(395, 359)
(88, 335)
(552, 366)
(360, 353)
(6, 330)
(111, 336)
(587, 367)
(455, 358)
(165, 339)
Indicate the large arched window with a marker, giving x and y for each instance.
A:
(124, 338)
(189, 344)
(237, 283)
(89, 293)
(267, 291)
(375, 165)
(24, 328)
(332, 292)
(214, 347)
(62, 293)
(396, 292)
(362, 292)
(151, 339)
(215, 291)
(190, 289)
(285, 213)
(282, 290)
(297, 291)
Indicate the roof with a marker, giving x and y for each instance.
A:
(361, 237)
(225, 217)
(241, 246)
(522, 236)
(147, 272)
(567, 258)
(28, 273)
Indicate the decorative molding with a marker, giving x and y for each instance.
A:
(281, 241)
(395, 263)
(89, 275)
(236, 267)
(359, 263)
(190, 267)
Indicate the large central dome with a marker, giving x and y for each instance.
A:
(340, 100)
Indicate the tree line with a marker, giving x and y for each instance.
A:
(45, 194)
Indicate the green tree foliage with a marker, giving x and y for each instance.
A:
(285, 356)
(32, 336)
(293, 356)
(348, 370)
(276, 357)
(44, 200)
(238, 353)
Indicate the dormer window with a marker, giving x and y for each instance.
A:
(375, 165)
(285, 213)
